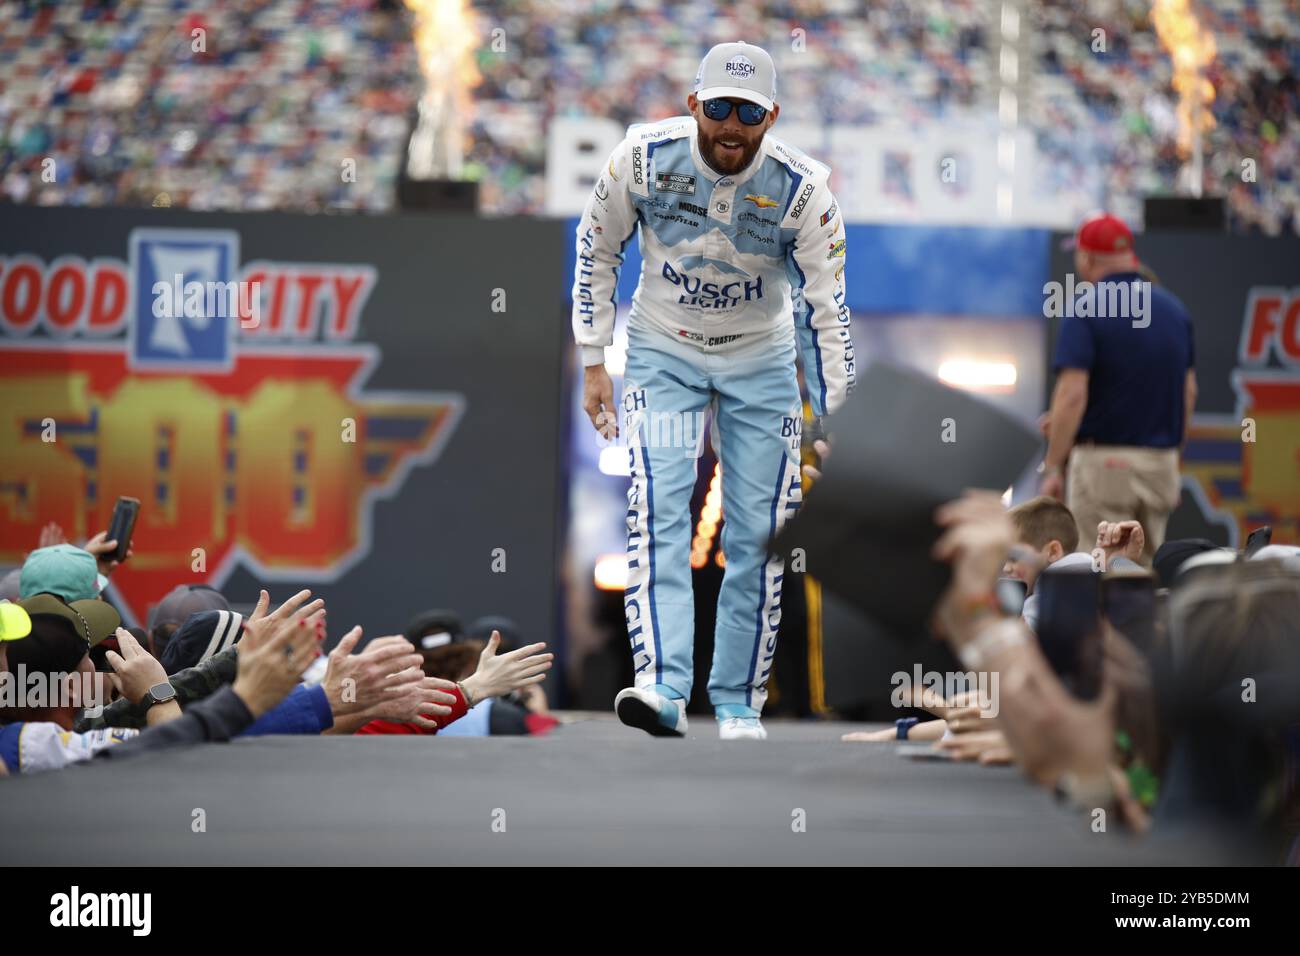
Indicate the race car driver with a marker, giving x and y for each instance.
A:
(742, 250)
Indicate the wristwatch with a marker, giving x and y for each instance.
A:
(159, 693)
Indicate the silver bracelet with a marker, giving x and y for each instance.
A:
(997, 636)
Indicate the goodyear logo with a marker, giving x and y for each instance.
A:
(232, 433)
(1243, 483)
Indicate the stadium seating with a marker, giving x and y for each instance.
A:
(262, 118)
(287, 91)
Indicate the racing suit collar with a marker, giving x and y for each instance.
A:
(712, 174)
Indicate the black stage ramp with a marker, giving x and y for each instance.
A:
(591, 792)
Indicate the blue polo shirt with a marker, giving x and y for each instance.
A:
(1136, 376)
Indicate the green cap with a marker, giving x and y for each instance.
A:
(93, 620)
(63, 569)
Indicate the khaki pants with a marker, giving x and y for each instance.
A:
(1122, 483)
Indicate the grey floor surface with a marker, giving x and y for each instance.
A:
(592, 792)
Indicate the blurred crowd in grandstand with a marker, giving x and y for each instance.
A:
(1112, 116)
(262, 117)
(287, 90)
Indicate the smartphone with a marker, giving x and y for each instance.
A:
(1128, 602)
(1069, 628)
(1257, 539)
(122, 526)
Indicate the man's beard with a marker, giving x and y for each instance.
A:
(731, 161)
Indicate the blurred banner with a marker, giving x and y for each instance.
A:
(933, 173)
(367, 406)
(1241, 465)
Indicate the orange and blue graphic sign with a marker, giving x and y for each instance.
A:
(1246, 467)
(244, 427)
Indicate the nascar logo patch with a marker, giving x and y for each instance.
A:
(675, 183)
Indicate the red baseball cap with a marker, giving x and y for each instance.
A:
(1104, 233)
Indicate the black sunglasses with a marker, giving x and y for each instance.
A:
(751, 114)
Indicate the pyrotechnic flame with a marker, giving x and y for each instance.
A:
(446, 36)
(1191, 49)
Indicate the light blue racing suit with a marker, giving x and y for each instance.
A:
(734, 267)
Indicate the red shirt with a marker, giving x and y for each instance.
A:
(458, 710)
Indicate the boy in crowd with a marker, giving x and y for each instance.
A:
(1047, 536)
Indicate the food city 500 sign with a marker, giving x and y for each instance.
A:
(240, 418)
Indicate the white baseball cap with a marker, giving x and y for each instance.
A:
(739, 70)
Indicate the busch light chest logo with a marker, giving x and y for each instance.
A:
(741, 67)
(713, 295)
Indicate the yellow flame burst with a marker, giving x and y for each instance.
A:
(445, 40)
(445, 37)
(1191, 49)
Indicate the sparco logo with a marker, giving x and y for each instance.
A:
(797, 211)
(75, 908)
(638, 172)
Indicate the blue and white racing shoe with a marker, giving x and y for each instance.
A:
(738, 722)
(647, 709)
